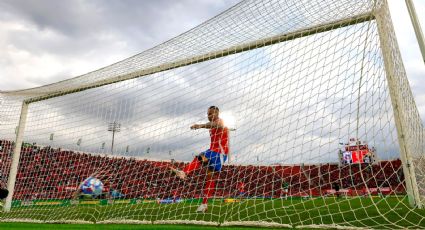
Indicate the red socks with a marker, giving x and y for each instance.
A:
(208, 190)
(209, 185)
(195, 164)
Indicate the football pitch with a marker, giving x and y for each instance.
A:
(377, 212)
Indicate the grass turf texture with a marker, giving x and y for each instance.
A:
(117, 226)
(376, 212)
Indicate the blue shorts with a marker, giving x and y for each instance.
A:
(215, 160)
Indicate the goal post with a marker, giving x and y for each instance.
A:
(328, 132)
(16, 155)
(168, 66)
(410, 140)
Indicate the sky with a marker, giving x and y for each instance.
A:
(47, 41)
(44, 42)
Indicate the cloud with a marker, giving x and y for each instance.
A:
(286, 113)
(412, 59)
(50, 41)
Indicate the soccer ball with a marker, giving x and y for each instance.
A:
(92, 186)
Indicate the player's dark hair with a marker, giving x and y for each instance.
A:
(214, 108)
(3, 193)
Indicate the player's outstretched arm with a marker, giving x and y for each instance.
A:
(208, 125)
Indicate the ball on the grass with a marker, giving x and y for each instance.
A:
(92, 186)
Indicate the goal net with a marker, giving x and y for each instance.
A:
(323, 130)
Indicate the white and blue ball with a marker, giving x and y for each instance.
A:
(92, 186)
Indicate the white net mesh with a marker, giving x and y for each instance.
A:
(324, 130)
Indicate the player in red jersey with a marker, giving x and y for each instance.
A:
(241, 189)
(213, 158)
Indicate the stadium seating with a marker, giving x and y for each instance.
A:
(49, 173)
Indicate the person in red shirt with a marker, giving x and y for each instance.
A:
(213, 158)
(241, 188)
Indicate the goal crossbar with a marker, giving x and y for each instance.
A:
(214, 55)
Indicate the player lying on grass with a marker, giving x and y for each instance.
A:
(213, 158)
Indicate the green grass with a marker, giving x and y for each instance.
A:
(389, 212)
(116, 226)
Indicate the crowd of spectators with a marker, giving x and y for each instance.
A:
(53, 173)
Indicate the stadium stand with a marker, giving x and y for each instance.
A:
(53, 173)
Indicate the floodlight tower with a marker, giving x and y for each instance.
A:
(114, 127)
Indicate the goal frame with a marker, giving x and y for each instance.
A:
(378, 15)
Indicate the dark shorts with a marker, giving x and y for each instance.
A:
(215, 160)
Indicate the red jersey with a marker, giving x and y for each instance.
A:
(241, 186)
(219, 140)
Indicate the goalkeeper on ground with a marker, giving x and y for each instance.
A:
(213, 158)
